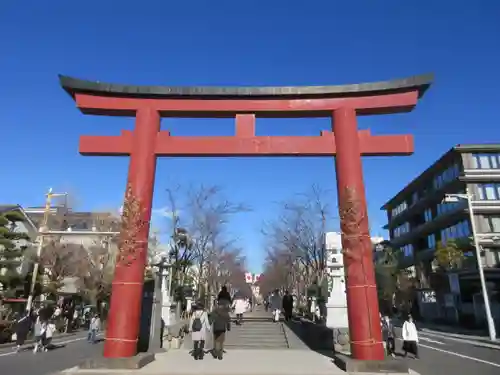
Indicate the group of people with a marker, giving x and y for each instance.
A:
(42, 323)
(43, 330)
(278, 304)
(409, 336)
(218, 322)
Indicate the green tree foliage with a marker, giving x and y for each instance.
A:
(450, 256)
(386, 274)
(11, 252)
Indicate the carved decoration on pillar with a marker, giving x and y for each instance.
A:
(132, 225)
(351, 217)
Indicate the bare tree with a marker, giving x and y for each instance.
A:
(99, 259)
(96, 275)
(198, 227)
(296, 240)
(59, 261)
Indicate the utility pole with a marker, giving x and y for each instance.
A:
(40, 238)
(489, 317)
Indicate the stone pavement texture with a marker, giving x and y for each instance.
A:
(235, 362)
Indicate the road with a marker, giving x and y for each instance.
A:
(70, 351)
(440, 355)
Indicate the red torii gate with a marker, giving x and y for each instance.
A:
(148, 104)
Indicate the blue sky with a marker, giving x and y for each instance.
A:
(203, 42)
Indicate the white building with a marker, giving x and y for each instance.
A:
(333, 246)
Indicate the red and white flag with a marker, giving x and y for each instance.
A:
(248, 278)
(256, 277)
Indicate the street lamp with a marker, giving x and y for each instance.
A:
(468, 197)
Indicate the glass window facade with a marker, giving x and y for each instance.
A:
(488, 192)
(493, 223)
(428, 215)
(431, 241)
(443, 208)
(402, 229)
(446, 176)
(459, 230)
(399, 209)
(407, 250)
(486, 161)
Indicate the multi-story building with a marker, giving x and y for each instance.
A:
(419, 218)
(82, 229)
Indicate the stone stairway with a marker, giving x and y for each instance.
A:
(257, 334)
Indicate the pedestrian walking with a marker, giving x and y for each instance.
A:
(410, 337)
(224, 295)
(240, 307)
(199, 325)
(276, 303)
(389, 335)
(94, 328)
(39, 332)
(22, 328)
(221, 323)
(287, 306)
(50, 328)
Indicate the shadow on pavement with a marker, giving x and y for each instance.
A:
(316, 337)
(55, 346)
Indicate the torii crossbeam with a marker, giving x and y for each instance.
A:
(148, 104)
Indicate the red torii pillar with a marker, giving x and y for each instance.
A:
(346, 143)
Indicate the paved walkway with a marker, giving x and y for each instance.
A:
(235, 362)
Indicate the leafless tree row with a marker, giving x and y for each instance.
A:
(296, 254)
(201, 248)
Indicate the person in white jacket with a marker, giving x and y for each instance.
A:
(240, 307)
(410, 337)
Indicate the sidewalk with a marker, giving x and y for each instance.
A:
(235, 362)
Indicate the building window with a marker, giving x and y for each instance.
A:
(402, 229)
(407, 250)
(431, 241)
(459, 230)
(493, 223)
(428, 215)
(446, 176)
(443, 208)
(487, 192)
(414, 198)
(486, 161)
(399, 209)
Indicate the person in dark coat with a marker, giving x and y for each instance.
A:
(224, 296)
(287, 305)
(22, 328)
(221, 322)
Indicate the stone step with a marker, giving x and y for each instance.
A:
(273, 341)
(255, 346)
(259, 332)
(253, 335)
(256, 337)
